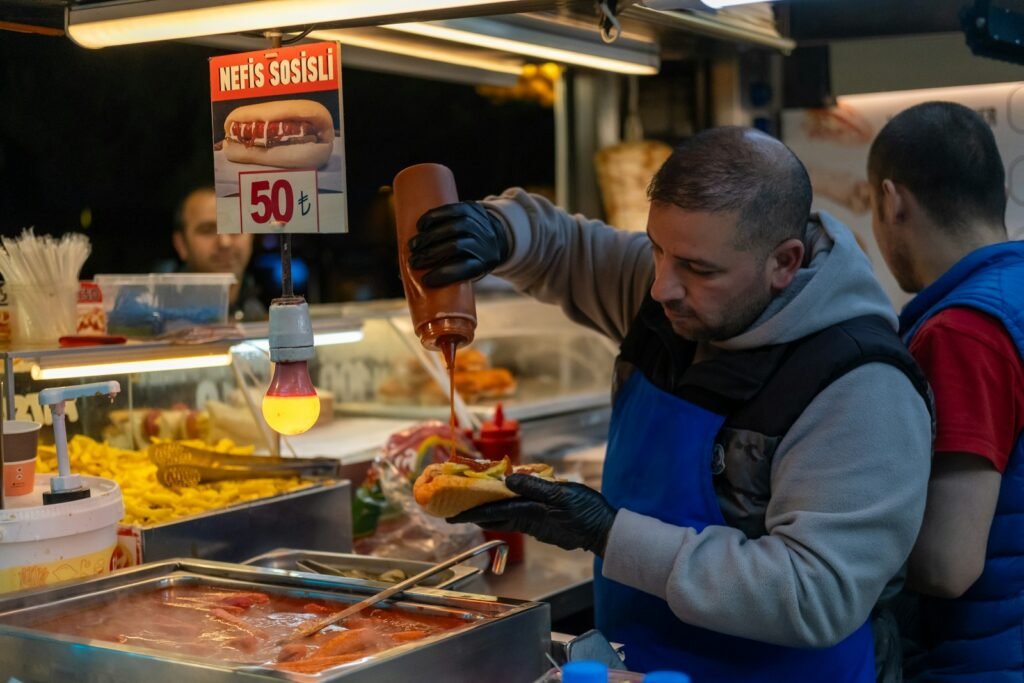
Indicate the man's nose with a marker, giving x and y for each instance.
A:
(666, 287)
(225, 241)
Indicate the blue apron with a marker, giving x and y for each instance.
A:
(659, 464)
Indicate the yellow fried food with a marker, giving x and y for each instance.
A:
(148, 502)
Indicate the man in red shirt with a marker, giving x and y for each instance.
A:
(938, 205)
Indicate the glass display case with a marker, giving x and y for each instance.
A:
(372, 375)
(526, 355)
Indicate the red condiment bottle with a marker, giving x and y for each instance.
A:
(442, 316)
(498, 438)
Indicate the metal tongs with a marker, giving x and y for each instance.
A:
(497, 567)
(181, 465)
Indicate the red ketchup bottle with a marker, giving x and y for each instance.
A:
(498, 438)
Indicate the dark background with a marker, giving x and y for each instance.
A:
(108, 141)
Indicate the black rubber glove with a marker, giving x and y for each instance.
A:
(567, 515)
(457, 242)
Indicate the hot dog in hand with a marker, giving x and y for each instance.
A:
(448, 488)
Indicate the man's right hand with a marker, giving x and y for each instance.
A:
(458, 242)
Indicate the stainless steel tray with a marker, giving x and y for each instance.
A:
(318, 517)
(288, 558)
(503, 640)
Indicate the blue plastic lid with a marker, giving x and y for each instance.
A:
(666, 677)
(584, 672)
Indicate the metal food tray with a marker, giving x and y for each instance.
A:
(288, 559)
(317, 517)
(503, 640)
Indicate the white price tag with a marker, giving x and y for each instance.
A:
(279, 201)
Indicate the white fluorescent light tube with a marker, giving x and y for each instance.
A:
(719, 4)
(124, 23)
(321, 339)
(407, 49)
(531, 49)
(335, 338)
(131, 367)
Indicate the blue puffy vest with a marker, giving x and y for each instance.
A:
(979, 637)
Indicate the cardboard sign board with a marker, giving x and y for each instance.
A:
(278, 140)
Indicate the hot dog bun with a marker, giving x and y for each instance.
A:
(446, 495)
(305, 155)
(297, 155)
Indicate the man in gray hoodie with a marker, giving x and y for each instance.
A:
(769, 448)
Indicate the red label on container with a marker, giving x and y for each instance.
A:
(307, 68)
(128, 551)
(89, 293)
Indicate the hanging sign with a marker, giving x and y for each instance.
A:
(278, 140)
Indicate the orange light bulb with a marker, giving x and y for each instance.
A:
(291, 405)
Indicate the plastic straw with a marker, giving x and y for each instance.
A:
(32, 259)
(44, 272)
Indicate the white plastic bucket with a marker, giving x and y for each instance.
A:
(43, 544)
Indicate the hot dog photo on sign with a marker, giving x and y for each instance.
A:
(284, 134)
(278, 133)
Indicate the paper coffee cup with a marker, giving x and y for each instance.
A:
(21, 437)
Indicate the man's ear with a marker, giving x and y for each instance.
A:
(784, 262)
(892, 204)
(180, 246)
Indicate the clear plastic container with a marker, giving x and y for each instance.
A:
(42, 313)
(157, 303)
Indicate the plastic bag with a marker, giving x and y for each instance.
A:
(387, 516)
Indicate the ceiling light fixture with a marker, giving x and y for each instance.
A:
(549, 46)
(122, 23)
(395, 45)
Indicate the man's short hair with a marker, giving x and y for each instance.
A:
(179, 211)
(741, 170)
(946, 156)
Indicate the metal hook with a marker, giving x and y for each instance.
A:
(611, 29)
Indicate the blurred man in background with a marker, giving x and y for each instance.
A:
(202, 250)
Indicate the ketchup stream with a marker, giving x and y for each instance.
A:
(448, 347)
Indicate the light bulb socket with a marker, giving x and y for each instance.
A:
(291, 331)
